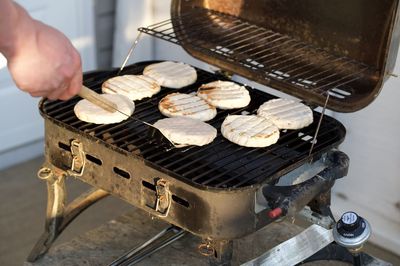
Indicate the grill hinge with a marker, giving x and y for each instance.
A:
(224, 73)
(78, 159)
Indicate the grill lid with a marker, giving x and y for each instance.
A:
(307, 48)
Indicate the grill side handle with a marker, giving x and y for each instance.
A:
(288, 200)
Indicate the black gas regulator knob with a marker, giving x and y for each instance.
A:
(351, 231)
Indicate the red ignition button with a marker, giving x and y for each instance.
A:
(275, 213)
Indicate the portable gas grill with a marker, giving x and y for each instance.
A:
(334, 54)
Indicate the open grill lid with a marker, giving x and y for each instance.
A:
(307, 48)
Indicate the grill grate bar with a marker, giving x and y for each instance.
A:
(260, 164)
(257, 54)
(260, 37)
(247, 180)
(262, 61)
(243, 56)
(339, 82)
(261, 152)
(198, 25)
(317, 74)
(312, 68)
(238, 148)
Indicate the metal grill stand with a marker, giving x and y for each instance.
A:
(59, 215)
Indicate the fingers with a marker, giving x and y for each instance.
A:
(72, 78)
(75, 84)
(47, 65)
(58, 90)
(73, 88)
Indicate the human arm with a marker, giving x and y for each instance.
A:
(41, 60)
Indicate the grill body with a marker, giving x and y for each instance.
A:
(210, 191)
(337, 53)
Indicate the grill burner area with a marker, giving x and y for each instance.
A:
(221, 164)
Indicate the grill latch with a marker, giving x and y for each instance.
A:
(78, 159)
(163, 197)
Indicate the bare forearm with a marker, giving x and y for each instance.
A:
(40, 59)
(14, 22)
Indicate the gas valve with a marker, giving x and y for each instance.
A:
(351, 232)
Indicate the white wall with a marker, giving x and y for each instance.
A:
(129, 17)
(372, 187)
(21, 131)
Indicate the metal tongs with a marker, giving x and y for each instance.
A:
(153, 132)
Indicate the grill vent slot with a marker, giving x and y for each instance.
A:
(149, 185)
(94, 159)
(64, 146)
(121, 173)
(181, 201)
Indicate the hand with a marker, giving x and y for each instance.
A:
(43, 62)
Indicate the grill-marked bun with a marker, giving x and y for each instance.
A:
(187, 105)
(249, 130)
(186, 131)
(171, 74)
(135, 87)
(91, 113)
(224, 94)
(286, 113)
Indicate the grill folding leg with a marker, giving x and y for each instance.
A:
(159, 241)
(58, 214)
(223, 252)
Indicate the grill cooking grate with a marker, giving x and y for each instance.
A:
(265, 54)
(221, 164)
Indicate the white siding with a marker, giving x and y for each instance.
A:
(20, 121)
(104, 17)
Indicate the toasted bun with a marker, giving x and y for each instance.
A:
(181, 104)
(250, 130)
(91, 113)
(135, 87)
(171, 74)
(286, 113)
(186, 131)
(224, 94)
